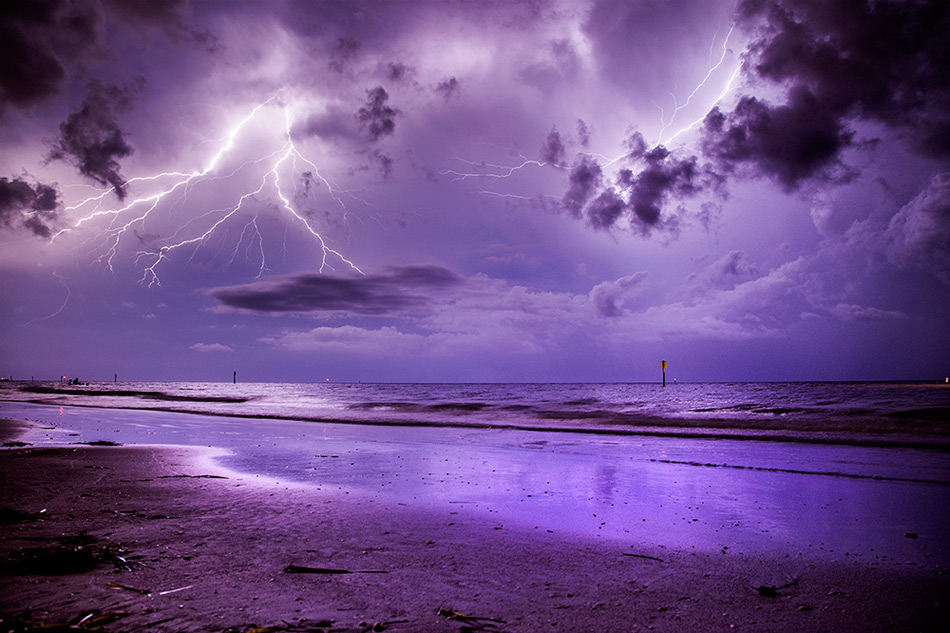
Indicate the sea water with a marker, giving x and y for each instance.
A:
(854, 407)
(840, 470)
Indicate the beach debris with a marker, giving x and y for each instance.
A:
(116, 585)
(910, 534)
(642, 556)
(302, 626)
(168, 591)
(191, 477)
(302, 569)
(70, 555)
(100, 443)
(771, 591)
(15, 444)
(89, 621)
(472, 623)
(12, 515)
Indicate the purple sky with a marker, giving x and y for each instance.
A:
(475, 191)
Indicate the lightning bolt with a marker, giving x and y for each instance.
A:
(677, 108)
(493, 171)
(490, 170)
(61, 307)
(172, 189)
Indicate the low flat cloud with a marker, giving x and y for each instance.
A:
(210, 347)
(395, 291)
(349, 339)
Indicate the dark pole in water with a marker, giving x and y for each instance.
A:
(663, 367)
(235, 378)
(115, 377)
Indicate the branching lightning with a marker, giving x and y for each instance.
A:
(678, 107)
(485, 170)
(174, 189)
(490, 170)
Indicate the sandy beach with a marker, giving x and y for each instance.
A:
(183, 547)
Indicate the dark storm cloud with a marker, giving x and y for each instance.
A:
(91, 138)
(34, 207)
(585, 178)
(583, 133)
(836, 63)
(639, 196)
(840, 61)
(886, 61)
(163, 13)
(790, 143)
(605, 209)
(397, 71)
(448, 88)
(383, 162)
(344, 51)
(663, 177)
(377, 118)
(552, 151)
(394, 291)
(39, 39)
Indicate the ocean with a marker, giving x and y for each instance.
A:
(818, 411)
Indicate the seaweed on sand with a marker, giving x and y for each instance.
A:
(89, 621)
(69, 555)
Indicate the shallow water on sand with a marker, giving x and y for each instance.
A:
(813, 500)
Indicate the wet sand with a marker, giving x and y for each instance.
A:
(212, 554)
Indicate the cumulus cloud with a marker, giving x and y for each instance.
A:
(377, 118)
(394, 291)
(91, 138)
(918, 236)
(732, 268)
(34, 207)
(608, 297)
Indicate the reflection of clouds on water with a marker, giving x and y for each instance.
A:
(654, 491)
